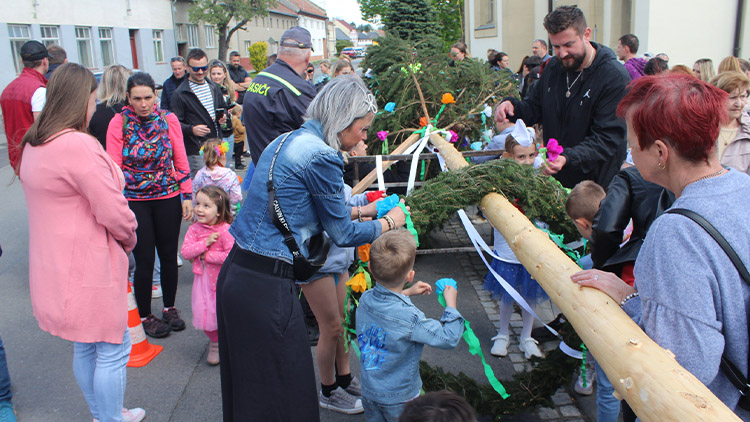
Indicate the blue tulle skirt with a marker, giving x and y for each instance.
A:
(520, 279)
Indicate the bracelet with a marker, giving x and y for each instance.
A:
(627, 298)
(359, 214)
(391, 223)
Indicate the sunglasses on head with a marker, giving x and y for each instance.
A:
(199, 68)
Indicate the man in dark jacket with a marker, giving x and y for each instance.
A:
(239, 76)
(178, 75)
(575, 100)
(278, 97)
(201, 109)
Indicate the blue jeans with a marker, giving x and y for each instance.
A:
(378, 412)
(99, 369)
(5, 393)
(607, 405)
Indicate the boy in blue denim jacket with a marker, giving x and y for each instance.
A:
(391, 331)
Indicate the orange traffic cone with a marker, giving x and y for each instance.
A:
(142, 351)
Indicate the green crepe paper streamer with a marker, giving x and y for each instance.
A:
(437, 116)
(421, 172)
(476, 349)
(558, 239)
(409, 223)
(583, 365)
(384, 147)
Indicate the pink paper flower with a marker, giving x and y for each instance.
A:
(453, 136)
(554, 149)
(383, 135)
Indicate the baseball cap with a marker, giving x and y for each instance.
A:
(296, 36)
(33, 50)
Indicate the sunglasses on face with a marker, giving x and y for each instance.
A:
(199, 68)
(310, 71)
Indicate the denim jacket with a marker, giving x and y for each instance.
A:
(308, 176)
(391, 333)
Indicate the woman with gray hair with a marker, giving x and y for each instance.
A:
(295, 194)
(112, 98)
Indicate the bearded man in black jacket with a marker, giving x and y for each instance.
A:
(575, 101)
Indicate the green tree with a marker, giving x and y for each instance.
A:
(221, 13)
(257, 53)
(365, 27)
(411, 20)
(373, 10)
(342, 44)
(448, 15)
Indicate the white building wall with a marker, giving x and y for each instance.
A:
(317, 28)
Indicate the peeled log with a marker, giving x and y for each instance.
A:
(647, 376)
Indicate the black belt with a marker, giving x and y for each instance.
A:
(262, 264)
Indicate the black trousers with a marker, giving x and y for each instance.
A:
(158, 226)
(238, 147)
(266, 365)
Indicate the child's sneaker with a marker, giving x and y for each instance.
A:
(529, 348)
(154, 327)
(590, 378)
(135, 414)
(341, 401)
(500, 347)
(7, 414)
(172, 317)
(156, 292)
(354, 388)
(179, 260)
(213, 353)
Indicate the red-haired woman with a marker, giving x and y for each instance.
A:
(688, 296)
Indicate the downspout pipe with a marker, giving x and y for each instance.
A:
(738, 28)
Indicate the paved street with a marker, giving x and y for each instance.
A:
(178, 385)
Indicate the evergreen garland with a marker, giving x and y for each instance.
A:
(539, 197)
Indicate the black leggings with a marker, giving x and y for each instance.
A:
(238, 152)
(158, 225)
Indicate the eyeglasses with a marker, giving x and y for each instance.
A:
(310, 70)
(199, 68)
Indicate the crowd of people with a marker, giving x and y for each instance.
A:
(642, 142)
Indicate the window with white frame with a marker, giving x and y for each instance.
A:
(248, 43)
(158, 45)
(50, 35)
(180, 35)
(192, 36)
(107, 47)
(83, 43)
(18, 34)
(210, 33)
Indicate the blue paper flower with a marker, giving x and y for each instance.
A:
(390, 107)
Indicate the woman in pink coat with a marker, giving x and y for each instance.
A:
(80, 231)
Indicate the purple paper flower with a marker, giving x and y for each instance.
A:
(453, 136)
(383, 135)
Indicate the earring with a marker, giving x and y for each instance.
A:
(661, 165)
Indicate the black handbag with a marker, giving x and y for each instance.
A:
(318, 245)
(736, 377)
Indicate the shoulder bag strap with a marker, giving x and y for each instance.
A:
(733, 373)
(274, 208)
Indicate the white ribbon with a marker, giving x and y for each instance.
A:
(379, 168)
(415, 158)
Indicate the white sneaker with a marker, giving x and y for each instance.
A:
(590, 378)
(135, 414)
(156, 292)
(529, 348)
(500, 347)
(179, 260)
(341, 401)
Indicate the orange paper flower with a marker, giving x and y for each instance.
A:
(358, 283)
(448, 98)
(364, 252)
(422, 121)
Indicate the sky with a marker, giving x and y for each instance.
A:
(347, 10)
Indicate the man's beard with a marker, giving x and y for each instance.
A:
(577, 62)
(234, 67)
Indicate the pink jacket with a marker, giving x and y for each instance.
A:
(80, 230)
(194, 246)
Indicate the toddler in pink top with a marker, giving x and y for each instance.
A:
(207, 244)
(214, 153)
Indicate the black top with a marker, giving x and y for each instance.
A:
(168, 89)
(585, 124)
(100, 120)
(238, 75)
(190, 112)
(272, 108)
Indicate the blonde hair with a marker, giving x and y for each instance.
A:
(729, 81)
(584, 200)
(236, 111)
(113, 86)
(392, 257)
(706, 67)
(210, 154)
(729, 64)
(225, 83)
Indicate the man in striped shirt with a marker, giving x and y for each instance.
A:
(200, 107)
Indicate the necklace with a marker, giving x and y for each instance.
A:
(718, 173)
(567, 81)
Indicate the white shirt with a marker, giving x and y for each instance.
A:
(38, 100)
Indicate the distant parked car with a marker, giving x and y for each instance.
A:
(349, 51)
(360, 52)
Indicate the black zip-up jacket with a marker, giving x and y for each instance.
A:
(271, 107)
(189, 110)
(629, 196)
(585, 124)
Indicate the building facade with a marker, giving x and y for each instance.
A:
(679, 28)
(137, 34)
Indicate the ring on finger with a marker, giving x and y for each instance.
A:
(596, 277)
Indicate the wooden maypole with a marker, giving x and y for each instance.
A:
(647, 376)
